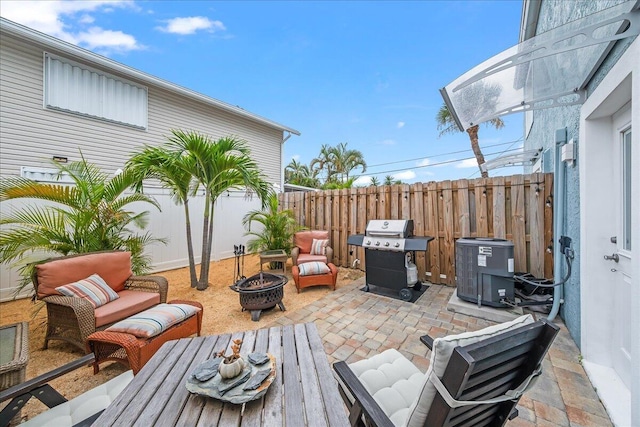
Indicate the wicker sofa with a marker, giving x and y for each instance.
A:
(73, 319)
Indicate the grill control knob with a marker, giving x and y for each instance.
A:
(397, 245)
(386, 243)
(378, 243)
(368, 242)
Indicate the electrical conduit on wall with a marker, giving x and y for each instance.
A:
(559, 198)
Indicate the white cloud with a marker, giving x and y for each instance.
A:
(423, 162)
(388, 142)
(191, 25)
(362, 181)
(86, 19)
(400, 125)
(467, 163)
(405, 176)
(58, 18)
(97, 38)
(295, 157)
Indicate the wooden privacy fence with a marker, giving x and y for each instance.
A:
(518, 208)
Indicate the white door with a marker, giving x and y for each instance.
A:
(622, 246)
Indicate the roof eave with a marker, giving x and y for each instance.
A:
(45, 40)
(529, 20)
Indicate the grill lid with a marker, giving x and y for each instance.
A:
(398, 228)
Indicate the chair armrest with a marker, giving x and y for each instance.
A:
(363, 400)
(428, 341)
(40, 380)
(295, 251)
(85, 312)
(157, 284)
(329, 253)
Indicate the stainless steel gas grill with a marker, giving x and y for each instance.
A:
(389, 246)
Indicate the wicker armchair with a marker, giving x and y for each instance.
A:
(302, 247)
(73, 319)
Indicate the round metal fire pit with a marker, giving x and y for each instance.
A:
(260, 292)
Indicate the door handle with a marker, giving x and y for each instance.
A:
(613, 257)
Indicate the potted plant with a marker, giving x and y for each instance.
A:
(275, 228)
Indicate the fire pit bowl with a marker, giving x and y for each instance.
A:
(260, 292)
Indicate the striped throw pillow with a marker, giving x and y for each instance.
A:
(94, 289)
(312, 268)
(155, 320)
(319, 247)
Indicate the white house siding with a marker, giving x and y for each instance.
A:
(31, 135)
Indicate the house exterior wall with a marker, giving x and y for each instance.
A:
(542, 134)
(30, 135)
(27, 127)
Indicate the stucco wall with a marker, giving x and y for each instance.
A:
(554, 13)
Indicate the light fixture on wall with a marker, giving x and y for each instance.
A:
(60, 159)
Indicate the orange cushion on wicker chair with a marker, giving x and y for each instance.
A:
(304, 239)
(113, 267)
(128, 303)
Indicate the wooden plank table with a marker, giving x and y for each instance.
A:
(304, 392)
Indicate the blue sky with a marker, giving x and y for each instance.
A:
(365, 73)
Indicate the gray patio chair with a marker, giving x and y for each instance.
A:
(474, 379)
(80, 411)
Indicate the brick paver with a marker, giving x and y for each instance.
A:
(355, 325)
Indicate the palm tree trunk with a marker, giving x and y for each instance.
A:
(473, 136)
(205, 243)
(192, 260)
(204, 276)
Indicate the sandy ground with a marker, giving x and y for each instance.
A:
(222, 313)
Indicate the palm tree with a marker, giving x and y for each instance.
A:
(374, 182)
(218, 166)
(345, 160)
(339, 185)
(390, 180)
(89, 216)
(300, 174)
(174, 172)
(323, 163)
(483, 99)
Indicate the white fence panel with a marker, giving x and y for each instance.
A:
(170, 224)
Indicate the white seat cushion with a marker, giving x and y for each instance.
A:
(83, 406)
(392, 380)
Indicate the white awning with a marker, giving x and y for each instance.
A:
(525, 157)
(548, 70)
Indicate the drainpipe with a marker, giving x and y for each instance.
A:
(282, 165)
(559, 201)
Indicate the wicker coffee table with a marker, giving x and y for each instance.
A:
(14, 354)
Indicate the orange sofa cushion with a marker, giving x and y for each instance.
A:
(113, 267)
(128, 304)
(302, 258)
(304, 239)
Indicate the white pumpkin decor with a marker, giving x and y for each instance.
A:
(232, 365)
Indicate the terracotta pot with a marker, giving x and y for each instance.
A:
(230, 370)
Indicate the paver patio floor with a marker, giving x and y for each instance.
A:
(355, 325)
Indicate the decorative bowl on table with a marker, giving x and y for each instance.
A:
(250, 384)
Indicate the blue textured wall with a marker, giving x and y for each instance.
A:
(554, 13)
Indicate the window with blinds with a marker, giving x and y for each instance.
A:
(78, 89)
